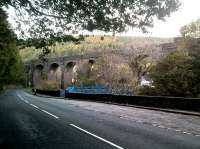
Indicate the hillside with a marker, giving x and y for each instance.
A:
(94, 44)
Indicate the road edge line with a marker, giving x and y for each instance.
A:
(95, 136)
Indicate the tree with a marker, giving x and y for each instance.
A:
(110, 71)
(192, 46)
(74, 15)
(178, 73)
(140, 64)
(45, 19)
(10, 63)
(174, 76)
(191, 30)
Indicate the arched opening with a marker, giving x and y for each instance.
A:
(69, 73)
(54, 67)
(39, 67)
(38, 74)
(55, 74)
(70, 65)
(91, 62)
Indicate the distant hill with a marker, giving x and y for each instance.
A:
(94, 44)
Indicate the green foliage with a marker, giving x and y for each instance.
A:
(190, 44)
(178, 73)
(191, 30)
(175, 76)
(75, 15)
(148, 90)
(10, 64)
(48, 21)
(92, 44)
(45, 44)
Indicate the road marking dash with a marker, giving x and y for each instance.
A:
(34, 106)
(21, 98)
(97, 137)
(50, 114)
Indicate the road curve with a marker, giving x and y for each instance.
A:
(31, 122)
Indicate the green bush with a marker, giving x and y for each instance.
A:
(174, 75)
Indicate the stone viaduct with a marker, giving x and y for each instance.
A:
(60, 69)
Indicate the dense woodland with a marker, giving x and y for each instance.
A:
(11, 66)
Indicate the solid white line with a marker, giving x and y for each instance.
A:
(37, 106)
(89, 133)
(34, 106)
(50, 114)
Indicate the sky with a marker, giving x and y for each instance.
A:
(188, 12)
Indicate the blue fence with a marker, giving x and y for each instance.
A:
(95, 89)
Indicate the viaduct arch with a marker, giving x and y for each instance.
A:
(61, 70)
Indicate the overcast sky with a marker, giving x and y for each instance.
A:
(189, 11)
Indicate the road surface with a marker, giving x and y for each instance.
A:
(31, 122)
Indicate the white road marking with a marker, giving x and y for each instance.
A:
(20, 97)
(97, 137)
(122, 116)
(37, 107)
(50, 114)
(34, 106)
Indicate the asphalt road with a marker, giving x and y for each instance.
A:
(30, 122)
